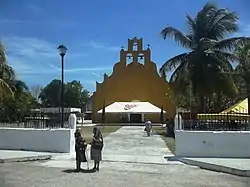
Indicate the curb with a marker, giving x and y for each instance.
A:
(26, 159)
(133, 162)
(215, 167)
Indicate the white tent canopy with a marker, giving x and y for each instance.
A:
(131, 107)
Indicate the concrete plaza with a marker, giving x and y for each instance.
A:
(129, 159)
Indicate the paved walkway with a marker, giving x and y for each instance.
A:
(130, 144)
(126, 145)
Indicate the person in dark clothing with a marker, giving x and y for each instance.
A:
(80, 148)
(96, 148)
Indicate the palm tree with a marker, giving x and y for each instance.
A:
(243, 68)
(208, 53)
(6, 72)
(18, 86)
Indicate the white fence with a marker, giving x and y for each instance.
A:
(59, 140)
(44, 140)
(231, 144)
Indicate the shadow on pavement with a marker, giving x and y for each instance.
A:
(171, 158)
(76, 171)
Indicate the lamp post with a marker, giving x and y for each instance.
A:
(62, 51)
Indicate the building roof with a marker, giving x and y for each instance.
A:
(131, 107)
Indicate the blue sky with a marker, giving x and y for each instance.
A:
(93, 31)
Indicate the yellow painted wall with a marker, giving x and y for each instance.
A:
(134, 81)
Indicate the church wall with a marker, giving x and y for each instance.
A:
(133, 81)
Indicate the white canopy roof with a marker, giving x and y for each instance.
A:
(131, 107)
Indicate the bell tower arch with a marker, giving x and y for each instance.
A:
(135, 52)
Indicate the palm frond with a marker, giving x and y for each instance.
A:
(225, 24)
(231, 43)
(174, 62)
(206, 43)
(180, 74)
(191, 24)
(243, 51)
(202, 19)
(225, 57)
(214, 17)
(5, 88)
(207, 77)
(215, 23)
(180, 77)
(178, 36)
(221, 23)
(2, 54)
(207, 10)
(7, 72)
(20, 85)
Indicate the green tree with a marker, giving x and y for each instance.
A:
(15, 100)
(209, 53)
(74, 94)
(50, 94)
(218, 102)
(6, 73)
(184, 99)
(15, 107)
(243, 68)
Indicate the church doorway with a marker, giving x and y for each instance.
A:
(135, 118)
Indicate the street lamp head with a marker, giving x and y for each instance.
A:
(62, 50)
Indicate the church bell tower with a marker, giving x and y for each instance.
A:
(135, 52)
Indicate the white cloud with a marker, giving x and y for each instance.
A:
(32, 56)
(28, 71)
(97, 45)
(29, 47)
(94, 70)
(24, 70)
(89, 69)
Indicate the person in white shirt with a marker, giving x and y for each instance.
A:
(148, 127)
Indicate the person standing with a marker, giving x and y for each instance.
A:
(96, 148)
(80, 148)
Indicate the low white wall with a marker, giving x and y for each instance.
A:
(231, 144)
(44, 140)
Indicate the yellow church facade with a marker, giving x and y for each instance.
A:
(134, 78)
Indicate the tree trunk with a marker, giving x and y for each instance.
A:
(218, 102)
(202, 103)
(248, 98)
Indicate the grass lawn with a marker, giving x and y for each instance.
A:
(170, 142)
(106, 130)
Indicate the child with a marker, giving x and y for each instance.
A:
(80, 147)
